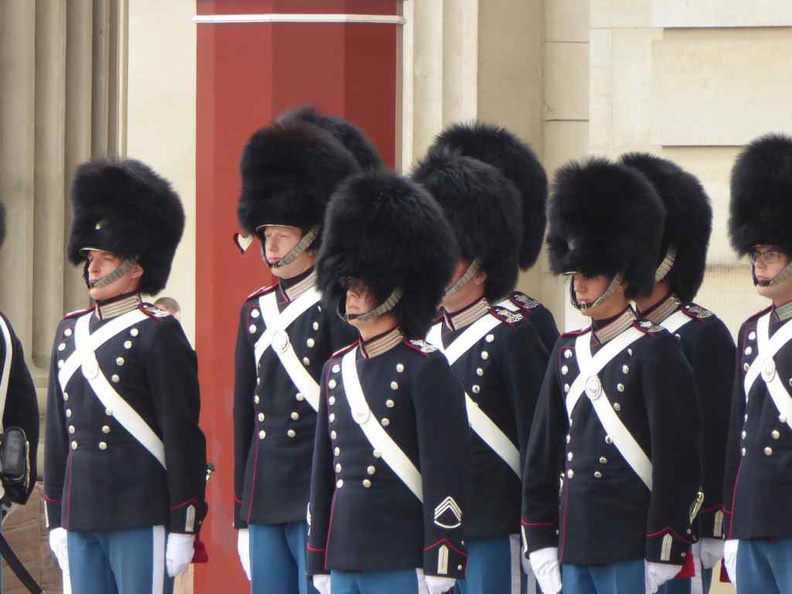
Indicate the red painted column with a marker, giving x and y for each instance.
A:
(248, 73)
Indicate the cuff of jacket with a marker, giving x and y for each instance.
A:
(315, 560)
(445, 559)
(539, 535)
(666, 546)
(52, 510)
(712, 522)
(187, 517)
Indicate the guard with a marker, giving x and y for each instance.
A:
(495, 353)
(125, 459)
(756, 488)
(392, 455)
(613, 416)
(706, 342)
(289, 170)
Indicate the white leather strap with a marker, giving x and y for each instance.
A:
(768, 347)
(480, 423)
(284, 318)
(769, 373)
(435, 336)
(675, 321)
(379, 439)
(509, 304)
(589, 365)
(97, 339)
(122, 412)
(6, 371)
(282, 346)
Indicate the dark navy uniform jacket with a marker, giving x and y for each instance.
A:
(98, 477)
(362, 517)
(709, 347)
(21, 410)
(606, 513)
(502, 373)
(758, 481)
(273, 423)
(537, 315)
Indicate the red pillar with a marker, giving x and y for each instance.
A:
(248, 73)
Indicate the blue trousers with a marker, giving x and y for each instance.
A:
(764, 566)
(405, 581)
(277, 559)
(122, 562)
(493, 567)
(617, 578)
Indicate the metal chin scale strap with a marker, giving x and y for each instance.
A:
(107, 279)
(778, 278)
(471, 271)
(614, 284)
(666, 265)
(383, 308)
(295, 252)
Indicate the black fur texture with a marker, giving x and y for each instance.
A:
(289, 171)
(390, 232)
(483, 209)
(137, 212)
(688, 223)
(605, 219)
(517, 161)
(355, 141)
(761, 195)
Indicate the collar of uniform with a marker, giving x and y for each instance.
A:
(623, 321)
(660, 311)
(300, 287)
(117, 306)
(784, 312)
(467, 315)
(381, 343)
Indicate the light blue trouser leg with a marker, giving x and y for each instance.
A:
(616, 578)
(764, 566)
(493, 567)
(119, 562)
(374, 582)
(277, 559)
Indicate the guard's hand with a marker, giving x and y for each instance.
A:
(243, 548)
(547, 569)
(321, 581)
(730, 558)
(178, 553)
(657, 574)
(438, 585)
(58, 545)
(711, 552)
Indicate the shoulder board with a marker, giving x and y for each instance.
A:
(262, 291)
(758, 314)
(523, 301)
(77, 313)
(344, 350)
(647, 327)
(153, 311)
(696, 311)
(577, 332)
(506, 315)
(420, 346)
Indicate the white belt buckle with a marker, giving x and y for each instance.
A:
(768, 370)
(593, 387)
(361, 415)
(90, 368)
(280, 341)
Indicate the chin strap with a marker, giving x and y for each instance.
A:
(383, 308)
(295, 252)
(107, 279)
(778, 278)
(666, 265)
(614, 284)
(471, 271)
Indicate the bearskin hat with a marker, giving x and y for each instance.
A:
(688, 222)
(389, 232)
(517, 161)
(355, 141)
(289, 171)
(761, 195)
(124, 207)
(483, 209)
(605, 219)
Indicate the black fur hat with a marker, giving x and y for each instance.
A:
(517, 161)
(761, 195)
(289, 171)
(124, 207)
(605, 219)
(688, 223)
(344, 131)
(483, 208)
(390, 232)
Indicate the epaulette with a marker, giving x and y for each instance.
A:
(262, 291)
(506, 315)
(576, 332)
(344, 351)
(758, 314)
(77, 313)
(696, 312)
(153, 311)
(523, 301)
(647, 327)
(420, 345)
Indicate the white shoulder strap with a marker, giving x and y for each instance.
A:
(393, 455)
(768, 371)
(6, 371)
(675, 321)
(465, 341)
(435, 336)
(768, 347)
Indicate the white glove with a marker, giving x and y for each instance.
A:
(711, 552)
(438, 585)
(730, 558)
(243, 548)
(321, 581)
(657, 574)
(58, 545)
(547, 569)
(178, 553)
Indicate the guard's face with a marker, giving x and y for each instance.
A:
(359, 298)
(589, 288)
(100, 264)
(472, 291)
(279, 240)
(768, 261)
